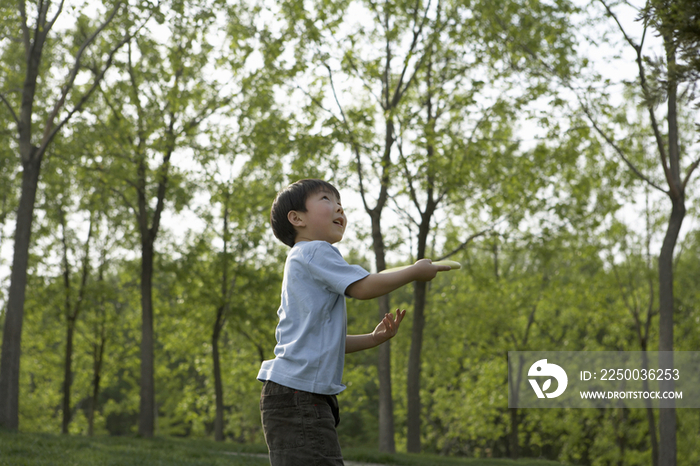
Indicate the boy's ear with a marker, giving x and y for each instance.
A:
(295, 219)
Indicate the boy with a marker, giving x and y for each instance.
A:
(298, 404)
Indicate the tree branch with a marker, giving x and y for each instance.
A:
(135, 96)
(48, 130)
(258, 346)
(531, 317)
(619, 151)
(633, 309)
(85, 272)
(25, 30)
(39, 32)
(162, 185)
(125, 180)
(14, 115)
(317, 102)
(364, 82)
(409, 177)
(647, 96)
(353, 143)
(398, 92)
(691, 169)
(484, 117)
(467, 241)
(587, 111)
(126, 201)
(357, 73)
(212, 106)
(53, 21)
(66, 265)
(400, 210)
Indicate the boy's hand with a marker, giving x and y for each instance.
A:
(425, 270)
(388, 327)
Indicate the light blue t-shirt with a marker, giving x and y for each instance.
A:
(310, 351)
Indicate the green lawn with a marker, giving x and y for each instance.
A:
(25, 449)
(409, 459)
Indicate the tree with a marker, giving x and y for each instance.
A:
(64, 194)
(677, 22)
(73, 306)
(440, 121)
(368, 128)
(241, 235)
(657, 82)
(35, 37)
(99, 341)
(78, 188)
(156, 111)
(636, 282)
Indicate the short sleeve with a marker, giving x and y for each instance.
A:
(327, 266)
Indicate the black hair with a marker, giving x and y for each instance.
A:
(294, 197)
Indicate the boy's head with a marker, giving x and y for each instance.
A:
(289, 213)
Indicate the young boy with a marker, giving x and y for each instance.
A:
(298, 404)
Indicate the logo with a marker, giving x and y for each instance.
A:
(542, 369)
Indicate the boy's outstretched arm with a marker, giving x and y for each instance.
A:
(379, 284)
(386, 330)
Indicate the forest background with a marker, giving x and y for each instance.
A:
(548, 146)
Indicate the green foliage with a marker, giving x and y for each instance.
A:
(678, 22)
(561, 272)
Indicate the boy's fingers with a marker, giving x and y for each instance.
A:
(399, 315)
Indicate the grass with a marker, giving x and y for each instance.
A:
(24, 449)
(27, 449)
(425, 459)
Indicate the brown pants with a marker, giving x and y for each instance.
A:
(300, 427)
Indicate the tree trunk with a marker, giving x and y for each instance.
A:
(513, 439)
(12, 331)
(667, 413)
(414, 368)
(147, 402)
(414, 356)
(67, 375)
(387, 442)
(31, 158)
(513, 435)
(70, 327)
(98, 351)
(218, 386)
(96, 376)
(147, 405)
(650, 412)
(620, 436)
(420, 288)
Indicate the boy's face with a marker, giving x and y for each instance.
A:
(324, 219)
